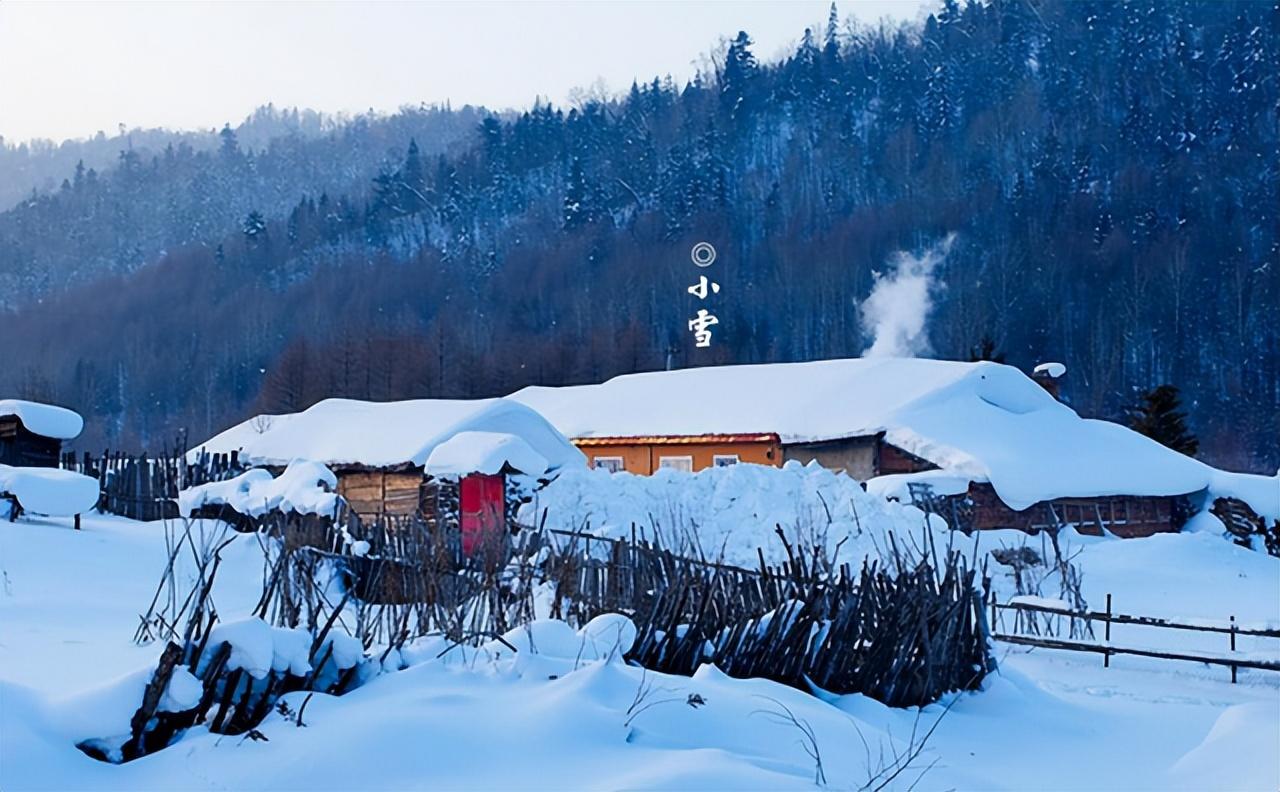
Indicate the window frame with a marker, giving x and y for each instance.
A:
(621, 468)
(687, 459)
(725, 460)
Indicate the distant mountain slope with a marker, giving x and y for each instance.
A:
(180, 188)
(1108, 170)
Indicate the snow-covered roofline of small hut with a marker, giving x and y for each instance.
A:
(346, 432)
(484, 452)
(983, 421)
(45, 420)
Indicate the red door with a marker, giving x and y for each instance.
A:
(483, 510)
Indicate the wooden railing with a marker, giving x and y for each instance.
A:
(1105, 648)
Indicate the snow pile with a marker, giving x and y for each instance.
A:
(729, 511)
(259, 649)
(50, 491)
(384, 434)
(45, 420)
(483, 452)
(304, 487)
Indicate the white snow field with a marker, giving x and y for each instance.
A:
(70, 603)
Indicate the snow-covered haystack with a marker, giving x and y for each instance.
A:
(304, 487)
(49, 491)
(731, 510)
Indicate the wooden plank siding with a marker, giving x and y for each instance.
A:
(20, 447)
(381, 492)
(644, 455)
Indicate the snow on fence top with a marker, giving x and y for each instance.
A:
(483, 452)
(984, 421)
(45, 420)
(304, 487)
(387, 434)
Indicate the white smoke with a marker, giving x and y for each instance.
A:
(897, 310)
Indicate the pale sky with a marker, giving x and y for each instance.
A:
(71, 69)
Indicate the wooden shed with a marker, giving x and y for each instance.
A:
(389, 456)
(31, 434)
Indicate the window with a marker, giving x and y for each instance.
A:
(724, 460)
(612, 464)
(684, 463)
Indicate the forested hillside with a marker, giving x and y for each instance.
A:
(1109, 171)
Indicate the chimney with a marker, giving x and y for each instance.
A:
(1049, 377)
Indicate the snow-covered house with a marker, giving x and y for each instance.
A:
(985, 431)
(31, 434)
(384, 453)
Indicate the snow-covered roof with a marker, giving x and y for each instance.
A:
(386, 434)
(45, 420)
(484, 452)
(984, 421)
(1051, 370)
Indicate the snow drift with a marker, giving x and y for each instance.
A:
(729, 511)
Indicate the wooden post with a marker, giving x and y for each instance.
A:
(77, 522)
(1233, 647)
(1106, 656)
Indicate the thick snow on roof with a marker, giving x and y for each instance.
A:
(49, 491)
(385, 434)
(44, 419)
(984, 421)
(483, 452)
(801, 402)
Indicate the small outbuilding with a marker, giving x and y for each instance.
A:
(31, 434)
(389, 457)
(31, 437)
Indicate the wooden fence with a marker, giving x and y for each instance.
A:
(1026, 617)
(144, 487)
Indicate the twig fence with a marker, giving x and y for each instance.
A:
(1026, 613)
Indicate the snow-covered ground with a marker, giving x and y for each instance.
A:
(69, 605)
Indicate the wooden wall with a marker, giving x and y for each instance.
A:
(644, 458)
(856, 456)
(21, 448)
(380, 492)
(1123, 515)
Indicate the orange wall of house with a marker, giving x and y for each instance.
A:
(644, 458)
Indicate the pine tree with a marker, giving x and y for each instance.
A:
(229, 146)
(255, 226)
(737, 83)
(1159, 416)
(412, 181)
